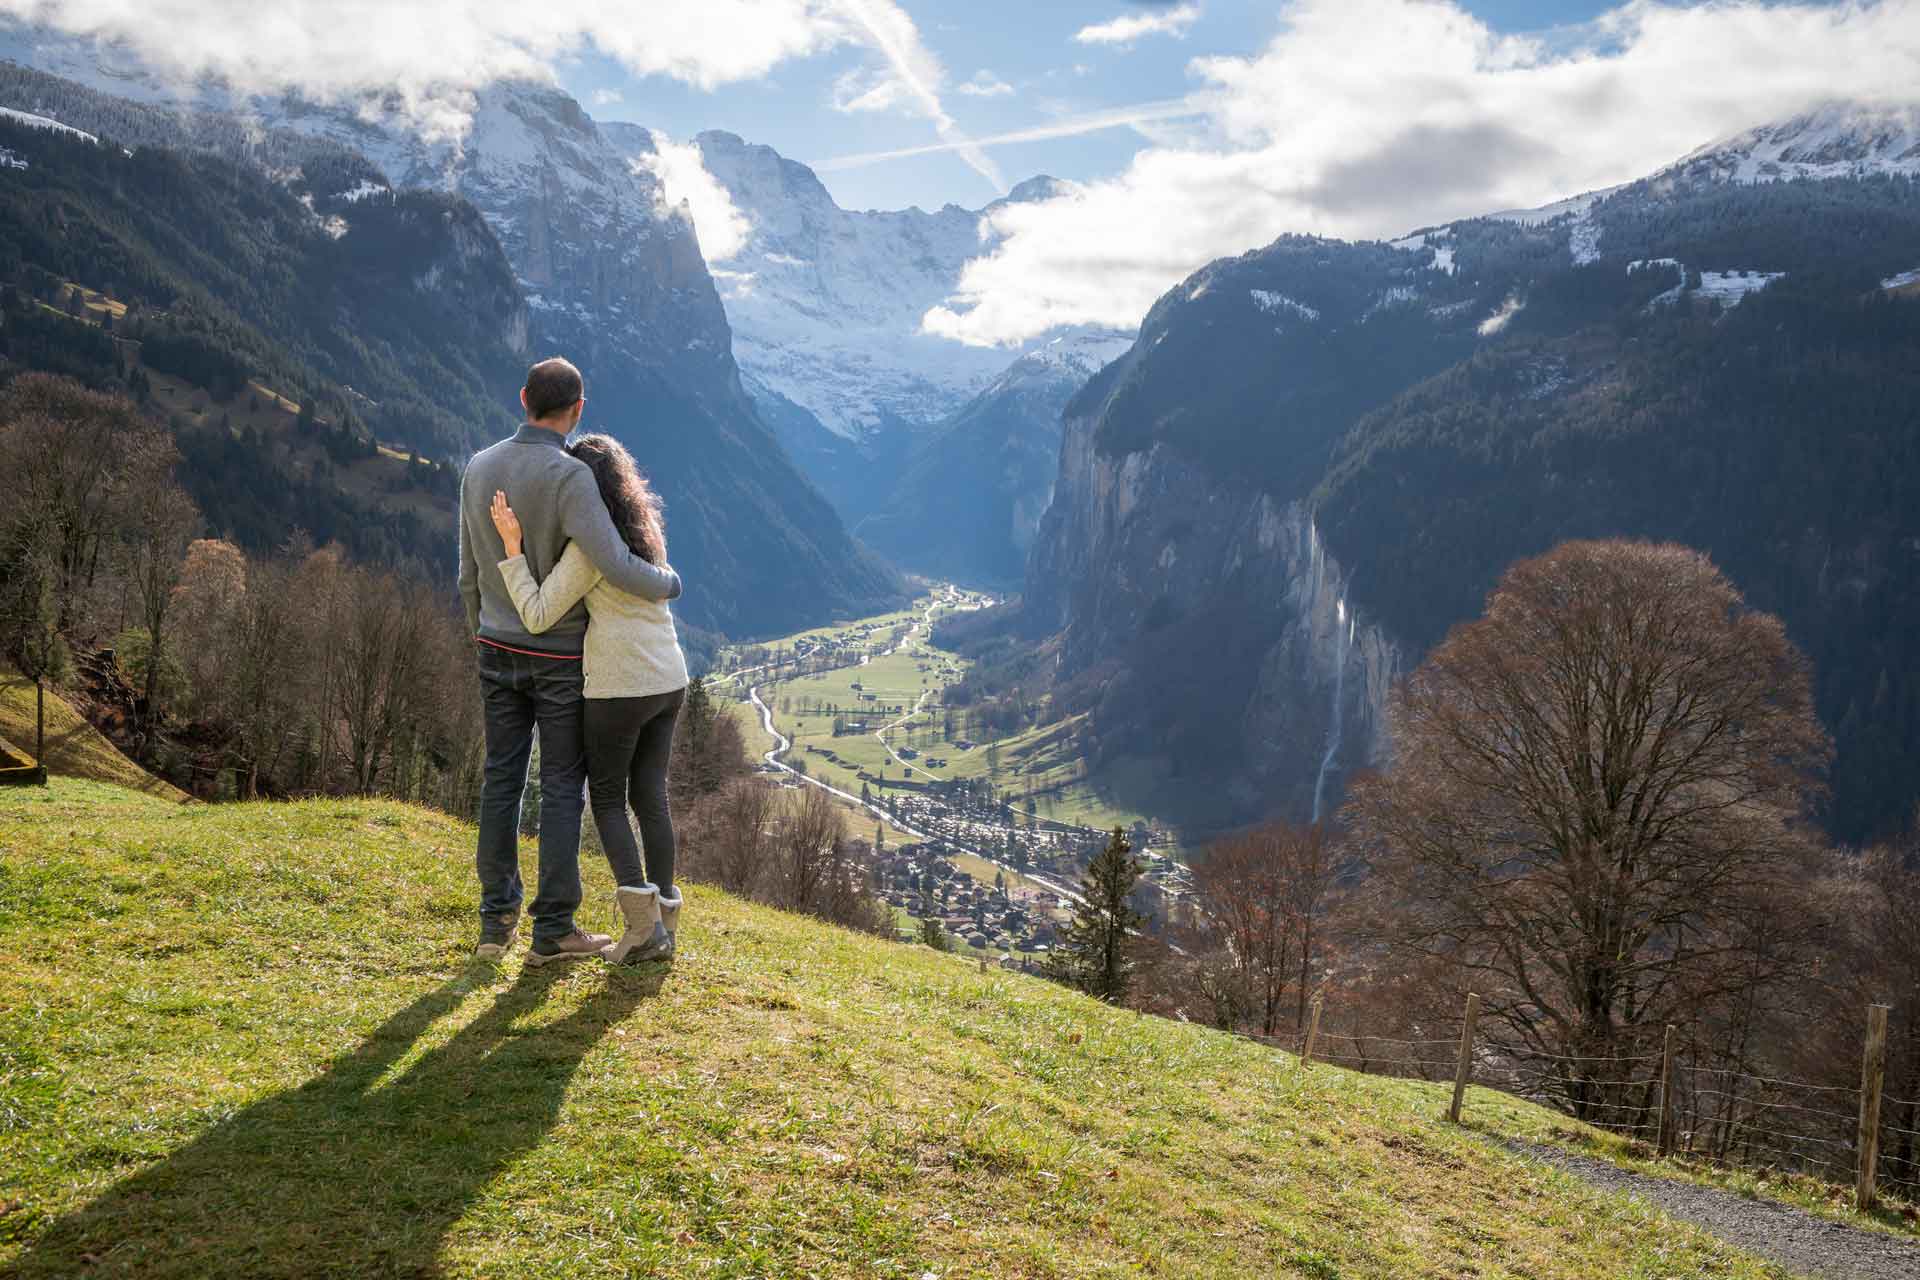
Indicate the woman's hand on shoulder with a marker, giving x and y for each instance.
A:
(506, 522)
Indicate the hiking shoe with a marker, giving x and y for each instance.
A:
(644, 938)
(569, 946)
(496, 935)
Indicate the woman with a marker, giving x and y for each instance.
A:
(636, 680)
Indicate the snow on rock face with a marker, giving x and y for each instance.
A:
(826, 303)
(600, 255)
(604, 262)
(1583, 234)
(1837, 140)
(1070, 359)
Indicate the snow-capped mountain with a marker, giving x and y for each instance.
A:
(1835, 140)
(826, 303)
(606, 262)
(614, 278)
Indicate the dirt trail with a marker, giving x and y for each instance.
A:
(1803, 1242)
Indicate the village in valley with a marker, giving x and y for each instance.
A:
(977, 841)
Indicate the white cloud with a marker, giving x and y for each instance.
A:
(432, 54)
(1127, 28)
(912, 79)
(1136, 117)
(1365, 118)
(985, 84)
(608, 97)
(723, 230)
(425, 58)
(869, 89)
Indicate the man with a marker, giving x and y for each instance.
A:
(533, 683)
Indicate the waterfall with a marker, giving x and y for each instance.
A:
(1342, 643)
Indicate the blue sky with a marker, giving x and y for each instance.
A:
(1027, 45)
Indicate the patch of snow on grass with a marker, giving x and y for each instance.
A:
(1442, 254)
(43, 122)
(1902, 280)
(1731, 286)
(1398, 295)
(1275, 303)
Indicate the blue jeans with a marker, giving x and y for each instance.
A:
(522, 694)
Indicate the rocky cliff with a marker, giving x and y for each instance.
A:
(1318, 457)
(1209, 631)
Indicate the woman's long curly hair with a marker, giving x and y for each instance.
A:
(631, 501)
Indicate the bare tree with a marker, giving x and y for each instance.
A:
(1593, 788)
(735, 835)
(811, 825)
(386, 682)
(213, 581)
(1265, 891)
(29, 634)
(1243, 885)
(70, 455)
(157, 520)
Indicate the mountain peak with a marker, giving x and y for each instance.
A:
(1836, 139)
(1039, 187)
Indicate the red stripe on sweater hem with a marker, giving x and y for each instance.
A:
(531, 653)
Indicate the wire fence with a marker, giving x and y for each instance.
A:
(1680, 1099)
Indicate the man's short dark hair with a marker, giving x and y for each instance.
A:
(552, 385)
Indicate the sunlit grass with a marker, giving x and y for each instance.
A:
(74, 747)
(246, 1040)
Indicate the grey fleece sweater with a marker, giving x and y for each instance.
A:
(555, 497)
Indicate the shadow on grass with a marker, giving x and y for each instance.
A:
(354, 1173)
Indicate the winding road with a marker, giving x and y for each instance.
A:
(783, 744)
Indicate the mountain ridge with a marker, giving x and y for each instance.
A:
(1318, 456)
(613, 276)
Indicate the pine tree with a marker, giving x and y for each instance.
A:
(1095, 953)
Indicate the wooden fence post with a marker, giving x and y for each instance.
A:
(1873, 1073)
(1668, 1086)
(1464, 1068)
(1313, 1032)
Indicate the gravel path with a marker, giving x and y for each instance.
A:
(1807, 1244)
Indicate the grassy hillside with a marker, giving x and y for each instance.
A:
(75, 748)
(246, 1040)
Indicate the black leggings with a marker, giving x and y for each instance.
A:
(629, 745)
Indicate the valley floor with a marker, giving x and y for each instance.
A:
(244, 1040)
(859, 707)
